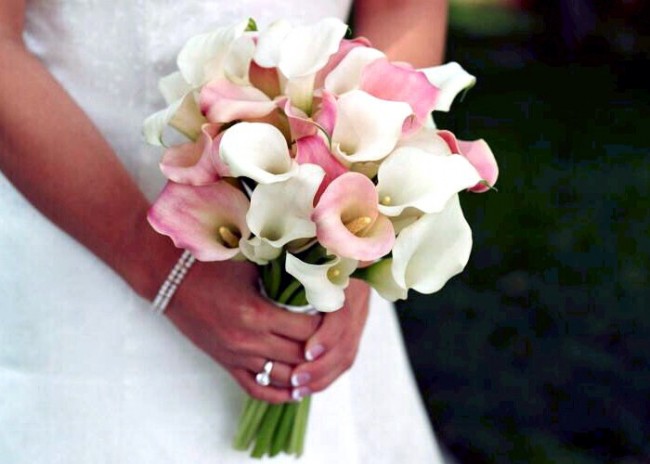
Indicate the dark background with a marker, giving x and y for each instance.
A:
(539, 351)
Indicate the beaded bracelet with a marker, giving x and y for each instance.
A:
(172, 282)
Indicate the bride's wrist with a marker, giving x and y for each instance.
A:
(147, 259)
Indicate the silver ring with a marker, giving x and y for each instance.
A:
(263, 378)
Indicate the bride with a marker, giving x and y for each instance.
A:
(87, 374)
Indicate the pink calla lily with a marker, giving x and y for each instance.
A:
(348, 222)
(314, 150)
(194, 163)
(345, 46)
(323, 118)
(207, 220)
(221, 101)
(388, 81)
(479, 154)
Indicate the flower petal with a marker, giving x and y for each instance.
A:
(265, 79)
(192, 217)
(451, 79)
(380, 277)
(173, 87)
(222, 101)
(432, 250)
(281, 212)
(313, 150)
(191, 163)
(479, 154)
(345, 46)
(258, 151)
(238, 60)
(392, 82)
(367, 128)
(347, 75)
(306, 49)
(259, 250)
(183, 115)
(347, 199)
(411, 177)
(270, 42)
(202, 58)
(324, 283)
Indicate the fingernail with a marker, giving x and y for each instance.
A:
(314, 352)
(299, 393)
(300, 379)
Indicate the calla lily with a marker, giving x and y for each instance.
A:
(299, 53)
(183, 115)
(236, 66)
(173, 87)
(258, 151)
(348, 222)
(265, 79)
(451, 79)
(411, 177)
(347, 75)
(432, 250)
(208, 220)
(192, 163)
(393, 82)
(345, 47)
(313, 150)
(323, 118)
(203, 57)
(380, 277)
(479, 154)
(280, 213)
(367, 128)
(324, 283)
(222, 101)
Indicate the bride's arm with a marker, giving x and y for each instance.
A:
(54, 155)
(409, 30)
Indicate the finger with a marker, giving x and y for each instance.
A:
(316, 376)
(277, 348)
(269, 393)
(292, 325)
(280, 373)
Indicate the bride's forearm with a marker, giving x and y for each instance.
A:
(411, 30)
(54, 155)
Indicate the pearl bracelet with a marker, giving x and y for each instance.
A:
(172, 282)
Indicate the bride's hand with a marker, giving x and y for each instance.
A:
(219, 308)
(333, 348)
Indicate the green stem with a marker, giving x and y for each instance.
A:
(297, 440)
(267, 430)
(276, 278)
(288, 292)
(250, 429)
(244, 422)
(283, 430)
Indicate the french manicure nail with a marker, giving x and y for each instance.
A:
(299, 393)
(314, 352)
(300, 379)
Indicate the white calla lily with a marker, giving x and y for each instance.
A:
(183, 115)
(269, 43)
(380, 277)
(306, 49)
(367, 128)
(324, 283)
(347, 75)
(203, 56)
(237, 62)
(259, 250)
(281, 212)
(258, 151)
(411, 177)
(432, 250)
(173, 87)
(451, 79)
(426, 139)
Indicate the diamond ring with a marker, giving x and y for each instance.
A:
(264, 378)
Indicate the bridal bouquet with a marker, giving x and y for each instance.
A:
(316, 158)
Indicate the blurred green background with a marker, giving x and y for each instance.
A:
(539, 351)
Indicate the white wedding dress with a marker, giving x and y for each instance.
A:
(87, 374)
